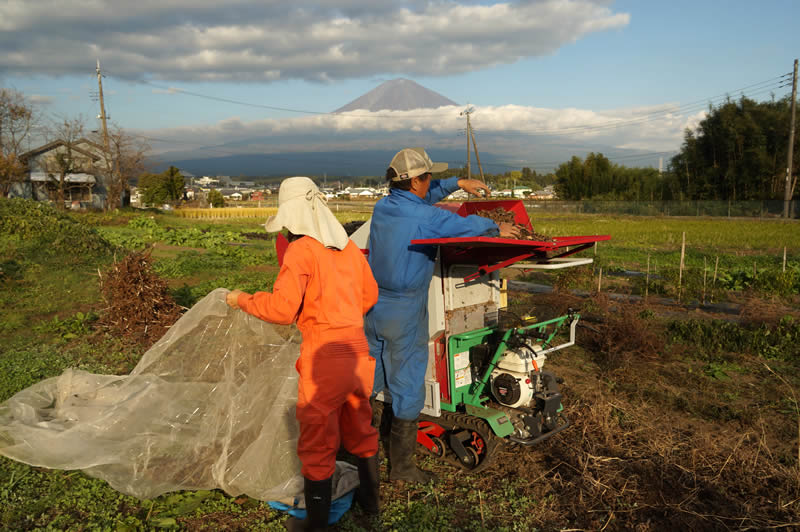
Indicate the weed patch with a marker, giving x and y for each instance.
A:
(624, 332)
(40, 231)
(222, 259)
(22, 367)
(187, 296)
(714, 339)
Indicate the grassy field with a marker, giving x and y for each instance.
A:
(678, 423)
(747, 254)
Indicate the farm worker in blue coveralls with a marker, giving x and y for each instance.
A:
(397, 326)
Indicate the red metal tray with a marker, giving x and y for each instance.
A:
(493, 253)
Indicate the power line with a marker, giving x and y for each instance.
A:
(690, 107)
(774, 83)
(649, 117)
(270, 107)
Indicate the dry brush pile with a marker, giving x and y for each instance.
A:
(500, 215)
(138, 304)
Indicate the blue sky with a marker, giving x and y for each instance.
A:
(567, 63)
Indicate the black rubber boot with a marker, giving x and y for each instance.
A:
(382, 421)
(367, 494)
(318, 507)
(403, 442)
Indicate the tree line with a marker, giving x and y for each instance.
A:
(738, 152)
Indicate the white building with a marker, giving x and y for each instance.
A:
(206, 181)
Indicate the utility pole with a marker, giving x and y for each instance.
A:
(477, 157)
(467, 112)
(789, 190)
(113, 174)
(103, 110)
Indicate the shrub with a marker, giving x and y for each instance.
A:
(39, 230)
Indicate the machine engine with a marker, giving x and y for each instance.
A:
(517, 376)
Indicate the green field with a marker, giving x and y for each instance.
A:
(748, 254)
(678, 423)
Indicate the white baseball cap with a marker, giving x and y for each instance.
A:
(413, 162)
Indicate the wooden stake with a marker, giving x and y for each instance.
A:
(599, 280)
(714, 282)
(647, 279)
(705, 272)
(680, 268)
(784, 258)
(784, 252)
(480, 502)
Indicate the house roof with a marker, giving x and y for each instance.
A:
(56, 143)
(41, 177)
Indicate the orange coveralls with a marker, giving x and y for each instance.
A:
(327, 291)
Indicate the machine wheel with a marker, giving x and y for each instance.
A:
(439, 445)
(485, 455)
(474, 458)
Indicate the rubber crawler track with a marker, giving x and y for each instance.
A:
(456, 420)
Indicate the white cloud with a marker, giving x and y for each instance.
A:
(269, 40)
(40, 99)
(654, 129)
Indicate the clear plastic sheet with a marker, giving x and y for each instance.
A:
(211, 405)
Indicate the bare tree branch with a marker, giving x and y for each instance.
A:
(17, 120)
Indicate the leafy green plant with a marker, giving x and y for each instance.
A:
(69, 328)
(721, 370)
(145, 230)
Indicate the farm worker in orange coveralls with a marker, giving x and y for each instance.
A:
(326, 286)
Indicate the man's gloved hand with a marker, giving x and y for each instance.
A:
(232, 299)
(508, 230)
(474, 187)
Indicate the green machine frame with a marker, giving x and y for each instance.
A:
(470, 394)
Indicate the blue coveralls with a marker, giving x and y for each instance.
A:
(397, 326)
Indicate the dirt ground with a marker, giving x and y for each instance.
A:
(655, 444)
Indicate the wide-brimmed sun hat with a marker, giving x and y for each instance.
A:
(303, 210)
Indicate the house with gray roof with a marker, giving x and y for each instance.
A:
(85, 186)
